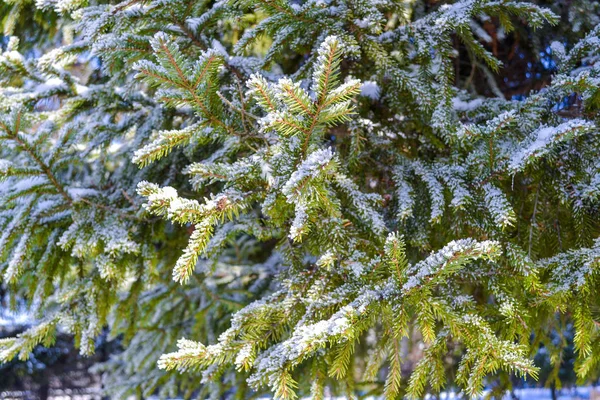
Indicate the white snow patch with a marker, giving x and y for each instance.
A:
(370, 89)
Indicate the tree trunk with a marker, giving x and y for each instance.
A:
(553, 391)
(44, 391)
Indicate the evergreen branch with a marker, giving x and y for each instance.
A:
(42, 165)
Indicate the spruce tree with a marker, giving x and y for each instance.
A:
(303, 198)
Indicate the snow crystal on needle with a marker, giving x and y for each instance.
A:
(330, 42)
(462, 105)
(572, 268)
(543, 137)
(244, 354)
(363, 203)
(5, 166)
(50, 85)
(558, 48)
(78, 193)
(404, 194)
(498, 205)
(167, 193)
(439, 260)
(311, 167)
(299, 221)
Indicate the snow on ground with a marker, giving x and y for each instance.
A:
(9, 319)
(579, 393)
(55, 394)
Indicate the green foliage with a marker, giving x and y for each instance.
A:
(302, 190)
